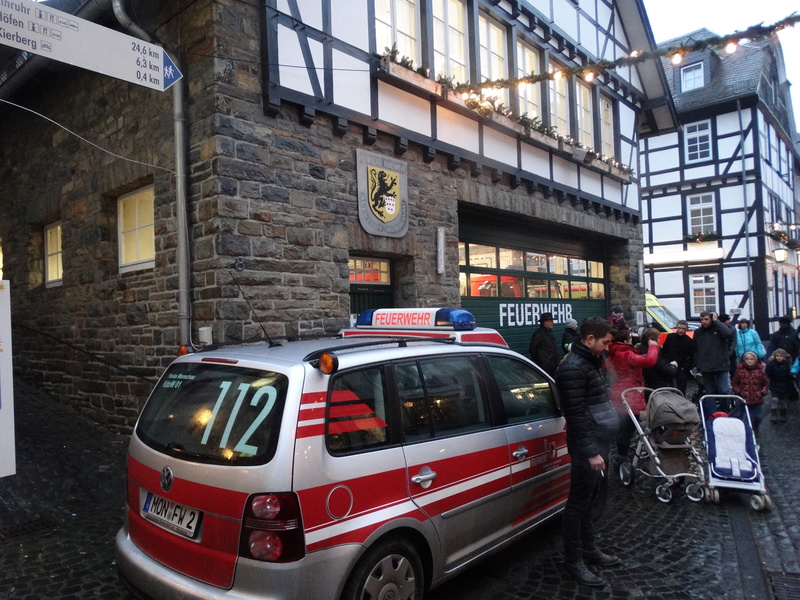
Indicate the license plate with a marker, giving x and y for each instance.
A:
(171, 515)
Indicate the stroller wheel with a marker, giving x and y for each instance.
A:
(626, 473)
(715, 496)
(694, 491)
(757, 502)
(664, 494)
(767, 502)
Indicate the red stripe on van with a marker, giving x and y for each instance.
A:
(212, 556)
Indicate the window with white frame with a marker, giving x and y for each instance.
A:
(397, 22)
(450, 56)
(558, 96)
(53, 266)
(703, 290)
(692, 77)
(530, 95)
(697, 138)
(492, 41)
(136, 230)
(584, 112)
(607, 138)
(701, 212)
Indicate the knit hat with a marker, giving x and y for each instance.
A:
(571, 323)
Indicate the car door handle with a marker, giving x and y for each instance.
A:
(425, 477)
(520, 453)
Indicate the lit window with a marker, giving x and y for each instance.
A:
(559, 109)
(52, 255)
(583, 102)
(136, 231)
(530, 100)
(396, 23)
(698, 141)
(493, 54)
(373, 271)
(450, 56)
(703, 289)
(692, 77)
(607, 140)
(701, 213)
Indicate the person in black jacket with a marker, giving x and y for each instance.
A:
(592, 426)
(679, 347)
(543, 349)
(785, 337)
(712, 356)
(663, 373)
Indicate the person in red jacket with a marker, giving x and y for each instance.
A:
(750, 381)
(624, 364)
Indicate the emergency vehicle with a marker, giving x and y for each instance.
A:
(337, 469)
(443, 323)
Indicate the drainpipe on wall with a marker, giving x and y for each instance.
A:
(181, 161)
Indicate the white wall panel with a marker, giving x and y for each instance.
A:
(603, 14)
(661, 180)
(566, 17)
(728, 148)
(589, 7)
(565, 172)
(310, 12)
(735, 279)
(349, 22)
(627, 121)
(612, 191)
(670, 282)
(352, 87)
(588, 35)
(661, 160)
(699, 172)
(290, 54)
(591, 183)
(668, 206)
(662, 141)
(729, 122)
(457, 130)
(499, 146)
(731, 197)
(665, 231)
(398, 107)
(536, 161)
(543, 6)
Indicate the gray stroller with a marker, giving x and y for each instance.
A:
(668, 435)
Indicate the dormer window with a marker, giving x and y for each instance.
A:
(692, 77)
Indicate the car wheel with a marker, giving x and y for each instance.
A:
(390, 569)
(626, 473)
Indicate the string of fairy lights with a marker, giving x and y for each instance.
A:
(483, 97)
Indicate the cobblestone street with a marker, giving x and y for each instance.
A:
(59, 515)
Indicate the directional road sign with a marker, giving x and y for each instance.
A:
(58, 35)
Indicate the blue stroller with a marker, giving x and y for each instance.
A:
(733, 461)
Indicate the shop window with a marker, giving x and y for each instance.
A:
(692, 77)
(595, 269)
(538, 288)
(584, 111)
(396, 24)
(53, 265)
(607, 132)
(512, 259)
(577, 267)
(512, 287)
(559, 289)
(535, 262)
(597, 291)
(371, 271)
(559, 102)
(701, 213)
(136, 230)
(484, 257)
(492, 50)
(698, 141)
(482, 284)
(559, 265)
(529, 95)
(703, 290)
(450, 56)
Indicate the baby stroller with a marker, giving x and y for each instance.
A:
(665, 444)
(733, 461)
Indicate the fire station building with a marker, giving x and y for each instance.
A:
(314, 161)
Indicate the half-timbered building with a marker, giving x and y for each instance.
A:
(719, 195)
(313, 161)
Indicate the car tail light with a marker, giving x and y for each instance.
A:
(272, 529)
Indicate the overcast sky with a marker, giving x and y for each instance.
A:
(672, 18)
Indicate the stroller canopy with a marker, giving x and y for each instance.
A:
(669, 407)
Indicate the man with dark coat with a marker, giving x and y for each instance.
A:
(681, 348)
(785, 337)
(712, 357)
(592, 426)
(543, 349)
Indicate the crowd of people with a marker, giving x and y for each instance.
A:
(596, 366)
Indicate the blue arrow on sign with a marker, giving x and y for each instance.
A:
(170, 71)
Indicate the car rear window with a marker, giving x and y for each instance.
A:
(215, 413)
